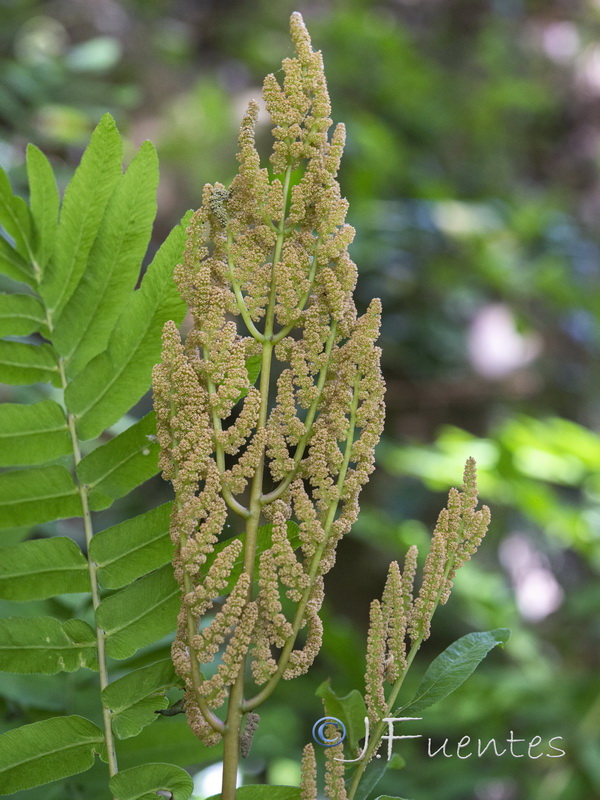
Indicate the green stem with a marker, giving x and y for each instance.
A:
(235, 711)
(92, 569)
(252, 329)
(380, 727)
(233, 504)
(269, 687)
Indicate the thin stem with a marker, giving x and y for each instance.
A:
(235, 711)
(92, 570)
(233, 504)
(380, 728)
(192, 628)
(197, 679)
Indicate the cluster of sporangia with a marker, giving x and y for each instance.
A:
(275, 255)
(400, 617)
(266, 276)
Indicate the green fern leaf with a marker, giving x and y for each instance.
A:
(47, 751)
(15, 266)
(20, 314)
(16, 219)
(126, 551)
(22, 363)
(114, 264)
(135, 698)
(82, 210)
(117, 467)
(46, 645)
(31, 496)
(32, 434)
(43, 202)
(140, 614)
(143, 782)
(42, 568)
(116, 379)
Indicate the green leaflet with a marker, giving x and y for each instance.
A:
(114, 264)
(14, 265)
(117, 467)
(32, 434)
(374, 773)
(140, 614)
(27, 363)
(263, 792)
(135, 698)
(388, 797)
(43, 202)
(82, 210)
(42, 568)
(133, 548)
(452, 667)
(116, 379)
(16, 219)
(143, 782)
(20, 314)
(47, 751)
(46, 645)
(253, 367)
(350, 709)
(31, 496)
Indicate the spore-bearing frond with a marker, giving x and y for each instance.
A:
(266, 272)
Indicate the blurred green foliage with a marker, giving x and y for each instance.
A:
(472, 170)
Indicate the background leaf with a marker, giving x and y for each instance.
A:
(48, 751)
(262, 792)
(350, 709)
(170, 739)
(142, 783)
(452, 667)
(42, 568)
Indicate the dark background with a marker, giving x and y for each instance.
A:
(472, 171)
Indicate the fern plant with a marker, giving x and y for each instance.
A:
(268, 413)
(77, 330)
